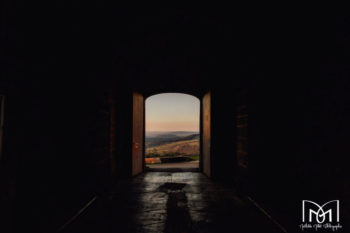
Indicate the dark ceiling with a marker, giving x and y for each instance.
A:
(169, 48)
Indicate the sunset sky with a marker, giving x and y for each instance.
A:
(172, 112)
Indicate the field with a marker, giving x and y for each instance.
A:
(173, 144)
(186, 147)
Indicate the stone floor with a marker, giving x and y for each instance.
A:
(172, 202)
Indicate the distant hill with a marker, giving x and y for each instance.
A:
(159, 134)
(160, 138)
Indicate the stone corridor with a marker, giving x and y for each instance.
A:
(172, 202)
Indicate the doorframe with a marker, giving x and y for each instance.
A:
(137, 168)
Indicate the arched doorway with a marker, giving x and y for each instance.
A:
(172, 132)
(201, 133)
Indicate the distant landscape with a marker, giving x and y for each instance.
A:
(172, 144)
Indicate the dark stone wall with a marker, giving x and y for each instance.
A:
(223, 133)
(66, 168)
(242, 129)
(297, 144)
(123, 129)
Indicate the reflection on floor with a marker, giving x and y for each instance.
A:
(182, 202)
